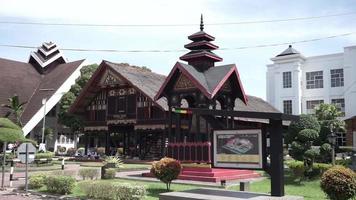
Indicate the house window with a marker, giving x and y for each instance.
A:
(287, 79)
(340, 104)
(341, 139)
(337, 77)
(287, 107)
(312, 104)
(314, 79)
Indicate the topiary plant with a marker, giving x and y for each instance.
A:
(166, 170)
(339, 183)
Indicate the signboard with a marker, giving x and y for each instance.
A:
(21, 152)
(238, 148)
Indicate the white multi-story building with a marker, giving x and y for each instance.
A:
(296, 84)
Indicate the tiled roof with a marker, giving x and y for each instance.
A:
(148, 82)
(23, 79)
(289, 51)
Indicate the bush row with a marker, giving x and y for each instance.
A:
(113, 191)
(300, 171)
(47, 155)
(90, 173)
(55, 184)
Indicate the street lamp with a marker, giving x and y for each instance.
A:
(44, 102)
(332, 140)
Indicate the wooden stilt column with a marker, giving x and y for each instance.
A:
(107, 143)
(86, 140)
(277, 173)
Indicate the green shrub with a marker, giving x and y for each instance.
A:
(36, 181)
(100, 151)
(305, 122)
(60, 184)
(297, 168)
(321, 167)
(47, 154)
(71, 151)
(113, 191)
(64, 173)
(61, 150)
(114, 161)
(90, 173)
(110, 173)
(166, 170)
(325, 153)
(339, 183)
(81, 151)
(307, 135)
(344, 162)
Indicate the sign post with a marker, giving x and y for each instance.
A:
(238, 149)
(26, 154)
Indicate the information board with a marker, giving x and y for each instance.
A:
(238, 148)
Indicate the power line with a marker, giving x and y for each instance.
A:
(183, 50)
(172, 25)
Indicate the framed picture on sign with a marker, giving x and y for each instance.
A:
(238, 148)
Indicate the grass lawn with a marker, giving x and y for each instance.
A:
(310, 189)
(153, 188)
(125, 166)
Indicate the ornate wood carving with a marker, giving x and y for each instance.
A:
(226, 86)
(109, 79)
(183, 83)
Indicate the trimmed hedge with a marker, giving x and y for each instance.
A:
(110, 173)
(113, 191)
(36, 181)
(90, 173)
(60, 184)
(47, 155)
(339, 183)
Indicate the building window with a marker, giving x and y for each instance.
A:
(341, 139)
(312, 104)
(287, 79)
(337, 77)
(314, 79)
(287, 107)
(340, 104)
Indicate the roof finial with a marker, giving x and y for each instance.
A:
(201, 23)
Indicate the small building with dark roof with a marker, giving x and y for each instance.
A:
(46, 75)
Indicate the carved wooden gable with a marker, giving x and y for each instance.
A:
(226, 87)
(110, 79)
(183, 83)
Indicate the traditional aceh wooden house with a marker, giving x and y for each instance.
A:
(119, 112)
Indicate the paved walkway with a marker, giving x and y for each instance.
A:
(73, 168)
(137, 175)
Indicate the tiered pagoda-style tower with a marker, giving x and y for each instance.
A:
(201, 55)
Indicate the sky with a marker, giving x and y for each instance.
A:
(251, 62)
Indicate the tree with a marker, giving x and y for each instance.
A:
(328, 117)
(68, 99)
(9, 132)
(166, 170)
(15, 108)
(301, 136)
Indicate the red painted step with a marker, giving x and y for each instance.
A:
(213, 174)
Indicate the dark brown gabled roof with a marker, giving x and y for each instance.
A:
(24, 80)
(142, 79)
(146, 81)
(52, 80)
(209, 82)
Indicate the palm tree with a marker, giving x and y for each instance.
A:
(15, 108)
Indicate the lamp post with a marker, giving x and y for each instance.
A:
(44, 102)
(332, 141)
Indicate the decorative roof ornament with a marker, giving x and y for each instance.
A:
(201, 23)
(46, 55)
(289, 51)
